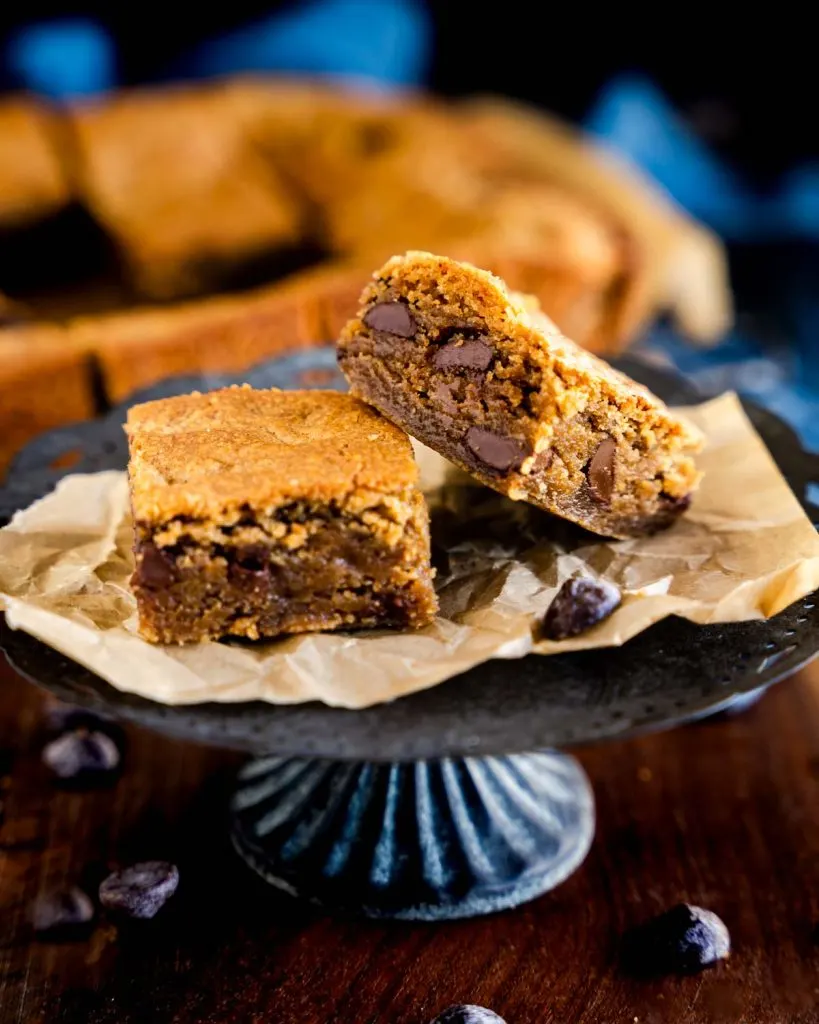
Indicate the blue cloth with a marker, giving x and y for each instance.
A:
(67, 58)
(387, 43)
(634, 118)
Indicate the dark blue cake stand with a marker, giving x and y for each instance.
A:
(452, 802)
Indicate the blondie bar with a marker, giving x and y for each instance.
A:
(173, 178)
(258, 513)
(33, 183)
(482, 376)
(44, 382)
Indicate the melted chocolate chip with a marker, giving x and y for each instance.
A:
(471, 354)
(543, 461)
(155, 567)
(579, 605)
(600, 471)
(676, 505)
(494, 450)
(442, 393)
(250, 566)
(392, 318)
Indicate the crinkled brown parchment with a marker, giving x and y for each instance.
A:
(745, 550)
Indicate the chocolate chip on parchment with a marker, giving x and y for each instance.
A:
(392, 318)
(579, 605)
(464, 1013)
(141, 890)
(494, 450)
(61, 911)
(683, 940)
(155, 568)
(469, 354)
(600, 471)
(81, 754)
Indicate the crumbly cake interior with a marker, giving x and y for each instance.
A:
(225, 546)
(482, 376)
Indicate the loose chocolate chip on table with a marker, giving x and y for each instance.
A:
(470, 354)
(467, 1014)
(494, 450)
(579, 605)
(81, 753)
(141, 890)
(683, 940)
(61, 910)
(155, 568)
(392, 318)
(600, 471)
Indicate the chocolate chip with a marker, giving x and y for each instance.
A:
(676, 505)
(683, 940)
(470, 354)
(579, 605)
(467, 1014)
(494, 450)
(600, 471)
(442, 393)
(250, 566)
(141, 890)
(155, 568)
(80, 754)
(392, 318)
(543, 461)
(61, 910)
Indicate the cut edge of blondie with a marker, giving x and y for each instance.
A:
(487, 380)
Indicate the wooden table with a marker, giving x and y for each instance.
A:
(724, 814)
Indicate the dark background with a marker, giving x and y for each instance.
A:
(744, 81)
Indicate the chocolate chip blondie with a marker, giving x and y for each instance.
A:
(258, 513)
(482, 376)
(189, 203)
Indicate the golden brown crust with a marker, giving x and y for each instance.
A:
(224, 334)
(675, 263)
(44, 383)
(208, 455)
(33, 180)
(174, 179)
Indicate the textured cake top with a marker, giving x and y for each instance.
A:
(207, 456)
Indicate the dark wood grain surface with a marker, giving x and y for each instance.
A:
(724, 814)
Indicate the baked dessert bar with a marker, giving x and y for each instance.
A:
(676, 264)
(483, 377)
(44, 382)
(228, 333)
(190, 203)
(258, 513)
(33, 184)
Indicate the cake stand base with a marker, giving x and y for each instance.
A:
(424, 840)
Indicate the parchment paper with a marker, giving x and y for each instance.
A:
(745, 550)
